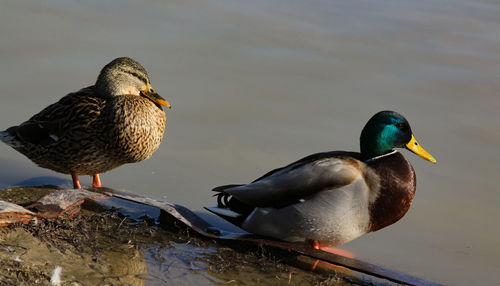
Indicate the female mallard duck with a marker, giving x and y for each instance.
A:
(330, 198)
(98, 128)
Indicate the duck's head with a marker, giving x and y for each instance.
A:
(126, 76)
(385, 131)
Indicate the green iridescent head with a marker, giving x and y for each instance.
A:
(385, 131)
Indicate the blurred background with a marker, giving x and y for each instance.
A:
(258, 84)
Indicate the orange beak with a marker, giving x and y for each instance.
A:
(155, 97)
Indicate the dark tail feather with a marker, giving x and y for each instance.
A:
(221, 189)
(9, 138)
(227, 214)
(228, 207)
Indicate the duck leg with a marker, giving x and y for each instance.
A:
(96, 181)
(76, 183)
(314, 244)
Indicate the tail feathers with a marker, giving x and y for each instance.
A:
(227, 214)
(227, 201)
(221, 189)
(228, 207)
(223, 212)
(9, 139)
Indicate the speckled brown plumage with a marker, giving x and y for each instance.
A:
(119, 120)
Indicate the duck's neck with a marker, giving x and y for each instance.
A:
(374, 148)
(380, 156)
(375, 142)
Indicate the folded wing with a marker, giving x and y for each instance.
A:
(298, 180)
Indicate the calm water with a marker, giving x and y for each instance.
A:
(257, 84)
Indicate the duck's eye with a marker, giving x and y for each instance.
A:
(401, 126)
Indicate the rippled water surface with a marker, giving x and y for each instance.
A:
(258, 84)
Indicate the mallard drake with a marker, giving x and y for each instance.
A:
(330, 198)
(98, 128)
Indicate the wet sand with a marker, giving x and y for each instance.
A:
(115, 242)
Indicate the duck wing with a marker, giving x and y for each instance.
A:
(299, 180)
(72, 113)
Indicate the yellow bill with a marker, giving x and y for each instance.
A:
(155, 97)
(414, 147)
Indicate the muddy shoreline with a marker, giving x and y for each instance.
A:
(102, 245)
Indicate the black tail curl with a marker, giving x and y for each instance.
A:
(223, 200)
(227, 201)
